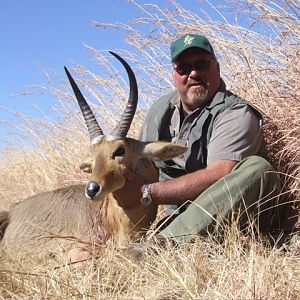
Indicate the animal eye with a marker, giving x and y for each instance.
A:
(119, 152)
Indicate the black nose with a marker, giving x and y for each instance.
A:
(92, 189)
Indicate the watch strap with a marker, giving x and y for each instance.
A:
(146, 198)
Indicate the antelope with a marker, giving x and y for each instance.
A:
(42, 224)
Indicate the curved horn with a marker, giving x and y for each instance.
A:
(120, 131)
(94, 129)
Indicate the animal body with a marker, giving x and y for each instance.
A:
(45, 223)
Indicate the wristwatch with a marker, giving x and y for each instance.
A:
(146, 199)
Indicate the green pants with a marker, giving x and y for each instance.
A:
(248, 193)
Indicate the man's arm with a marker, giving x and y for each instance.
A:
(188, 187)
(236, 135)
(175, 191)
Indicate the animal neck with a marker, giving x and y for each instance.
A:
(121, 222)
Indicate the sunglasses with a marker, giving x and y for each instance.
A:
(200, 66)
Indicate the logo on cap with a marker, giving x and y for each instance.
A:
(188, 40)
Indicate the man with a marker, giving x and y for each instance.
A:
(222, 172)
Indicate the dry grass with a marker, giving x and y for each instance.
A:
(239, 268)
(260, 62)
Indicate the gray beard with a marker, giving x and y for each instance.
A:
(198, 97)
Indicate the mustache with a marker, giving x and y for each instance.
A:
(200, 81)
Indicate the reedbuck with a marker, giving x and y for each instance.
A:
(43, 224)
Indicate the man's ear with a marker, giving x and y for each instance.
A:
(163, 150)
(86, 166)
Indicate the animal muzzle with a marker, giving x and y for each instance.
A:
(92, 189)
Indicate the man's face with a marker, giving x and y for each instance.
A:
(196, 81)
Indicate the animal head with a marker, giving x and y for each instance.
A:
(111, 155)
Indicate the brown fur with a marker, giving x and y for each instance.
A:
(49, 222)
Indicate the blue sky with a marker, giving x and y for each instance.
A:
(52, 33)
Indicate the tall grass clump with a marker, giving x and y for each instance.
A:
(257, 45)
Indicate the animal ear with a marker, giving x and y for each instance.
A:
(163, 150)
(86, 166)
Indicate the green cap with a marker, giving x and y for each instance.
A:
(188, 41)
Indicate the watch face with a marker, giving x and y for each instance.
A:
(146, 200)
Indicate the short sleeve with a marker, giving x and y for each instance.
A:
(236, 134)
(148, 123)
(143, 133)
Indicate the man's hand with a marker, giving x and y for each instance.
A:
(130, 194)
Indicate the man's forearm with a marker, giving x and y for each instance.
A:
(188, 187)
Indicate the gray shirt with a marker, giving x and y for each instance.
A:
(236, 133)
(227, 128)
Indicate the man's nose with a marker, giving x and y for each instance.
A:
(194, 73)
